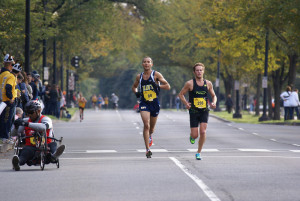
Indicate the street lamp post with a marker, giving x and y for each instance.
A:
(54, 62)
(237, 113)
(27, 37)
(264, 117)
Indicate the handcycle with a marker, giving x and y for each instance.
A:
(42, 150)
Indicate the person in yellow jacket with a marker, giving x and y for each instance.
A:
(8, 95)
(81, 103)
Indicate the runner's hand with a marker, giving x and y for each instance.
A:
(213, 105)
(138, 94)
(155, 86)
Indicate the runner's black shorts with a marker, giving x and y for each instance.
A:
(152, 107)
(81, 108)
(197, 118)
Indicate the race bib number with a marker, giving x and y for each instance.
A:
(149, 95)
(32, 141)
(200, 103)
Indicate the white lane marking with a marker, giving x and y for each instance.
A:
(153, 150)
(100, 151)
(273, 140)
(298, 145)
(255, 133)
(241, 129)
(209, 193)
(298, 151)
(141, 133)
(204, 150)
(137, 127)
(258, 150)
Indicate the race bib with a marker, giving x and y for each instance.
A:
(200, 103)
(149, 95)
(32, 141)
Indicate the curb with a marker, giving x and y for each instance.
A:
(219, 118)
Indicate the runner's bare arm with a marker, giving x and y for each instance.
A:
(187, 87)
(135, 84)
(212, 94)
(163, 82)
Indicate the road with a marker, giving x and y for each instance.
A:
(105, 160)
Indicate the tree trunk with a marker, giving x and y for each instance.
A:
(292, 69)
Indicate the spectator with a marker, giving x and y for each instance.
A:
(47, 99)
(229, 103)
(24, 89)
(295, 102)
(18, 99)
(286, 96)
(34, 85)
(9, 94)
(62, 102)
(19, 113)
(53, 100)
(28, 86)
(59, 99)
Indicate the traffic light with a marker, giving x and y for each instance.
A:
(75, 62)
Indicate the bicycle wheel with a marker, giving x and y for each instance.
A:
(57, 163)
(42, 163)
(43, 149)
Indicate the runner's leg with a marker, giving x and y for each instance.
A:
(202, 138)
(145, 115)
(152, 124)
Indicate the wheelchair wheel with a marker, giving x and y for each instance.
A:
(43, 148)
(42, 163)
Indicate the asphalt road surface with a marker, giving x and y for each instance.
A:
(105, 160)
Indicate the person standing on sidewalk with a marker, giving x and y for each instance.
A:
(147, 86)
(8, 94)
(198, 89)
(286, 97)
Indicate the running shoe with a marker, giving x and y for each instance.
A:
(148, 153)
(150, 141)
(15, 163)
(192, 140)
(198, 156)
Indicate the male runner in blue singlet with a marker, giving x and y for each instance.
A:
(197, 105)
(146, 87)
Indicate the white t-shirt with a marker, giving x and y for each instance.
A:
(286, 96)
(294, 100)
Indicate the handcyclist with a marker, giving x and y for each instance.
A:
(146, 87)
(198, 89)
(35, 122)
